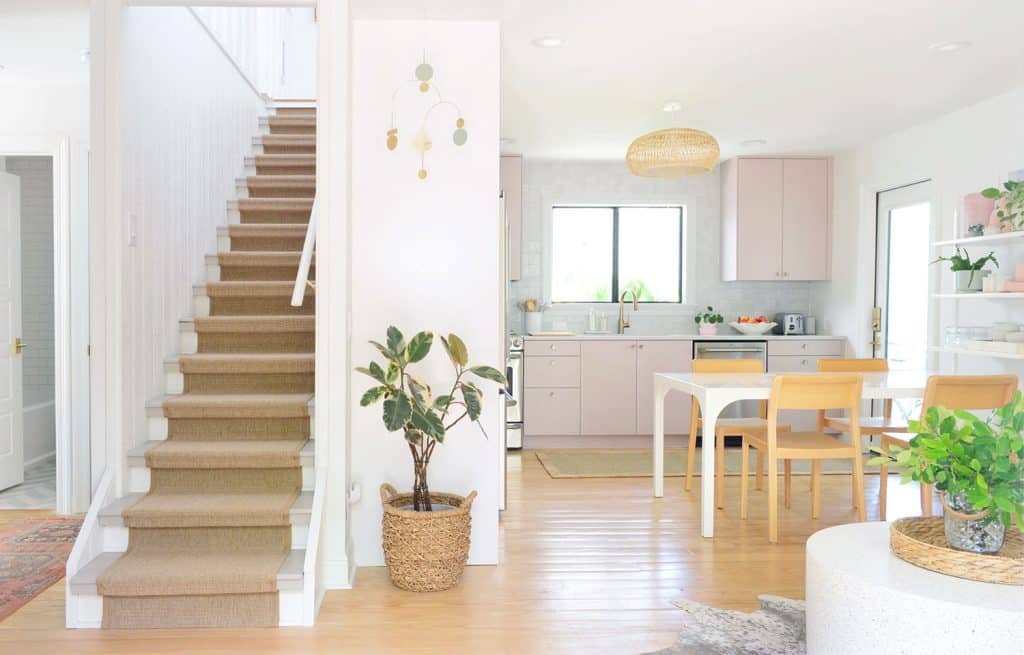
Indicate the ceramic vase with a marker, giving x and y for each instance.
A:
(978, 209)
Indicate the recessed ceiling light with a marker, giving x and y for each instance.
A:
(549, 41)
(672, 105)
(749, 143)
(949, 46)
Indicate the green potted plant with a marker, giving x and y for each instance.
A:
(425, 535)
(969, 274)
(1009, 209)
(978, 467)
(707, 322)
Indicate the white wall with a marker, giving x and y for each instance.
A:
(44, 109)
(425, 253)
(188, 122)
(962, 152)
(547, 183)
(37, 304)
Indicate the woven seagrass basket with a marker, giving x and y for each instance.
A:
(425, 551)
(922, 542)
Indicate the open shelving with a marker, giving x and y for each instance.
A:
(970, 351)
(1008, 295)
(987, 239)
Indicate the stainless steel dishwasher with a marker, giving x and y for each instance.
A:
(734, 350)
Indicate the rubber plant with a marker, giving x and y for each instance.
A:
(409, 405)
(961, 261)
(963, 455)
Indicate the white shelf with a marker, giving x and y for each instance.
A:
(979, 353)
(1008, 295)
(966, 241)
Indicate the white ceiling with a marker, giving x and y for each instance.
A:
(806, 75)
(41, 41)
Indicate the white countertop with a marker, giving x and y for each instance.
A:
(690, 337)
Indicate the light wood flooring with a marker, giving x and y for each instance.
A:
(588, 566)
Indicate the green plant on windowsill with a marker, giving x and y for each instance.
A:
(960, 262)
(1009, 203)
(978, 464)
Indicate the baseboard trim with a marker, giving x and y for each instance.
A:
(36, 460)
(338, 574)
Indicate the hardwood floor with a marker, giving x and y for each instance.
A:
(589, 566)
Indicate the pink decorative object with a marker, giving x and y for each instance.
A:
(1020, 272)
(978, 209)
(708, 329)
(1014, 286)
(994, 216)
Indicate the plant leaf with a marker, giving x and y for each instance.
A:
(374, 371)
(429, 423)
(419, 390)
(372, 395)
(474, 403)
(457, 350)
(419, 346)
(441, 401)
(396, 342)
(992, 193)
(489, 373)
(384, 350)
(397, 411)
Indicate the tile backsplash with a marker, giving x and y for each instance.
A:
(547, 183)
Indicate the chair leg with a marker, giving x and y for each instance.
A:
(853, 481)
(773, 500)
(815, 488)
(858, 487)
(759, 473)
(719, 469)
(926, 499)
(691, 452)
(745, 452)
(883, 481)
(787, 492)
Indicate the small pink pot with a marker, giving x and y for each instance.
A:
(708, 329)
(978, 209)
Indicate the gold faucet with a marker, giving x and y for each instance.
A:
(623, 321)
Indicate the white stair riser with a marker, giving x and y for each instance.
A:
(242, 188)
(289, 608)
(88, 610)
(223, 243)
(213, 271)
(188, 339)
(200, 304)
(139, 479)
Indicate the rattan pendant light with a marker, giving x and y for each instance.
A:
(676, 152)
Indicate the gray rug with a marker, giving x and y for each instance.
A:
(778, 628)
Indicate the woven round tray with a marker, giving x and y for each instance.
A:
(922, 542)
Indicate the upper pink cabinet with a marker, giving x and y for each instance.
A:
(776, 218)
(512, 187)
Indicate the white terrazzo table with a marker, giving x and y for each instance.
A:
(863, 599)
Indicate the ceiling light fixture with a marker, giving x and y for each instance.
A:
(676, 152)
(750, 143)
(949, 46)
(2, 67)
(549, 41)
(672, 105)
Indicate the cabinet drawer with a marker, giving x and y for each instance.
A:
(553, 348)
(552, 372)
(549, 411)
(805, 347)
(795, 363)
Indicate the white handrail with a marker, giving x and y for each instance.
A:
(302, 278)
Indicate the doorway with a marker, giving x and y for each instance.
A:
(901, 315)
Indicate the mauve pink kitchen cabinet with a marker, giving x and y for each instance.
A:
(776, 218)
(608, 387)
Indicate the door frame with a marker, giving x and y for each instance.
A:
(72, 419)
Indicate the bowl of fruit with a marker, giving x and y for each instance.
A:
(753, 325)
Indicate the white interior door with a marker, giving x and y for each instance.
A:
(12, 465)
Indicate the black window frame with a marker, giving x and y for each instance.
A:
(615, 253)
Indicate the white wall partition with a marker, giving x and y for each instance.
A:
(425, 253)
(961, 152)
(188, 119)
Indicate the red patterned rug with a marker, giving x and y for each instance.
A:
(32, 557)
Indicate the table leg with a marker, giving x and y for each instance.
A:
(710, 409)
(659, 438)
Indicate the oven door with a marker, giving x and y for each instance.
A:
(514, 374)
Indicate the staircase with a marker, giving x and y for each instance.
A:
(214, 529)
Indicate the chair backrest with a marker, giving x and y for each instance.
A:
(852, 365)
(817, 391)
(969, 392)
(728, 366)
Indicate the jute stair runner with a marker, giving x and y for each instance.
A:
(208, 539)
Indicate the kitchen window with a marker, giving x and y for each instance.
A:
(598, 252)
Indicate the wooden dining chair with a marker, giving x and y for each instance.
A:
(806, 392)
(869, 425)
(730, 427)
(967, 392)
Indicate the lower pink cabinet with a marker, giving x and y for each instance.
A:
(608, 387)
(662, 357)
(551, 411)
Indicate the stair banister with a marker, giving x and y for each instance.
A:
(302, 278)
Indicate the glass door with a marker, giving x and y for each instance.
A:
(900, 317)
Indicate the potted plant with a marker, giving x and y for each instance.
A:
(1009, 209)
(978, 467)
(969, 274)
(426, 535)
(707, 322)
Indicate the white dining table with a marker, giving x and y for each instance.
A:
(716, 390)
